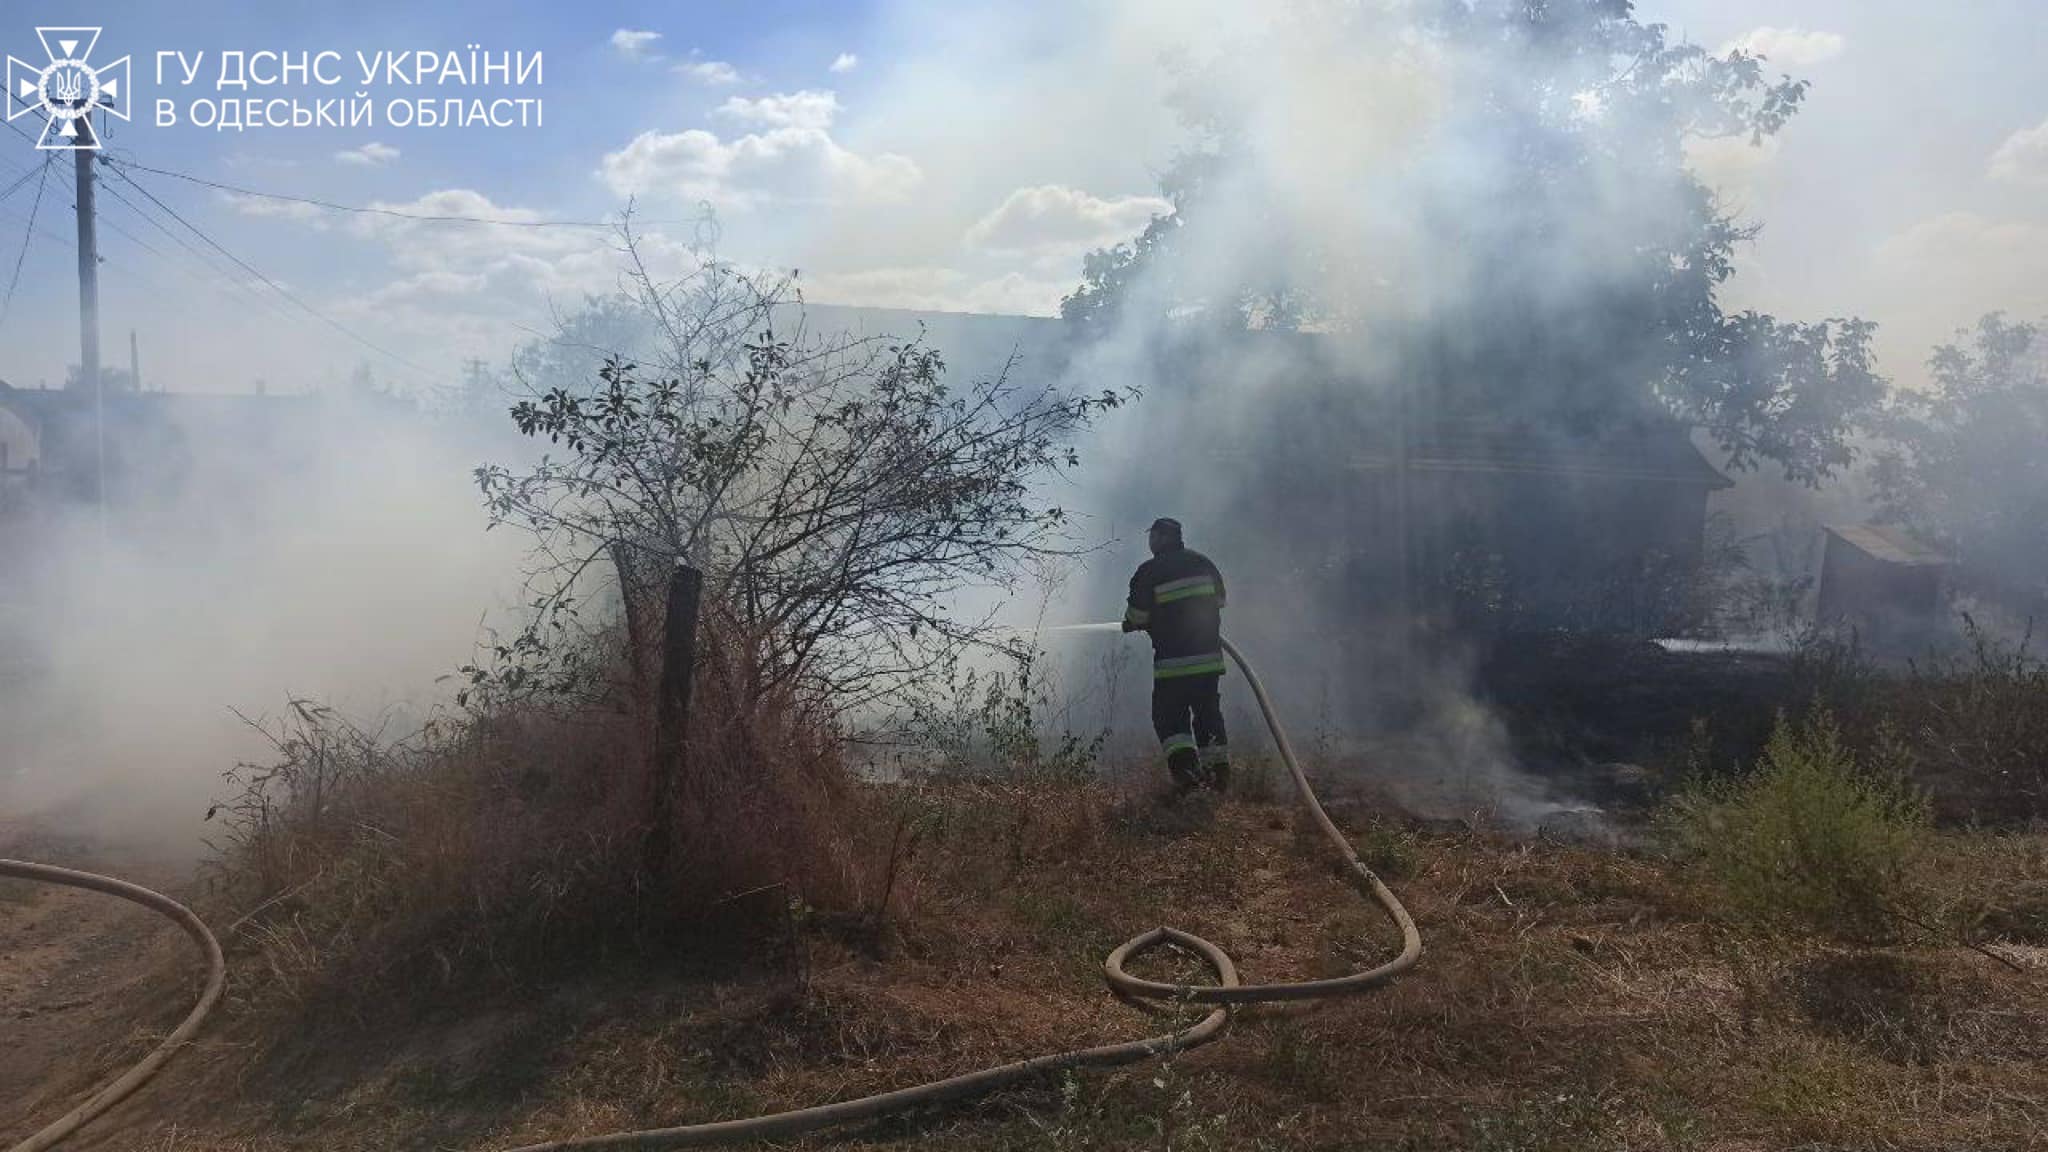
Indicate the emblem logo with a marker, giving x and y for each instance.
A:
(68, 89)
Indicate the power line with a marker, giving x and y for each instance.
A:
(238, 261)
(41, 170)
(23, 180)
(139, 242)
(268, 306)
(7, 305)
(10, 191)
(262, 302)
(17, 130)
(120, 167)
(42, 229)
(217, 278)
(424, 217)
(272, 284)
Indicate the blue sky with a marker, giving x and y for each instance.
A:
(918, 154)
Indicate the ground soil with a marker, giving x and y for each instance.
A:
(88, 983)
(1571, 998)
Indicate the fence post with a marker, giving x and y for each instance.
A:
(672, 712)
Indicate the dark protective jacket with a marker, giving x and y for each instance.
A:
(1177, 596)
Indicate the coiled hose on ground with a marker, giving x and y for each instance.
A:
(1227, 990)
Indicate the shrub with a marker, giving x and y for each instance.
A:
(1808, 839)
(1002, 723)
(1969, 725)
(1387, 850)
(1977, 726)
(504, 844)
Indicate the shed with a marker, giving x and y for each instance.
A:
(1882, 582)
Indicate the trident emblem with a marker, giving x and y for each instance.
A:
(67, 89)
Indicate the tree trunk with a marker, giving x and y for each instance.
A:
(672, 714)
(632, 597)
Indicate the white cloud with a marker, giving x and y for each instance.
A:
(793, 157)
(714, 73)
(456, 202)
(467, 250)
(263, 207)
(2023, 158)
(468, 289)
(1053, 218)
(634, 44)
(807, 109)
(462, 289)
(424, 289)
(1795, 46)
(845, 62)
(371, 155)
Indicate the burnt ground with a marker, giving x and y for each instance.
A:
(1615, 720)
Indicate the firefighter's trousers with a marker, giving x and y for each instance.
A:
(1187, 714)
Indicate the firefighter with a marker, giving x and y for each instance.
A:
(1177, 597)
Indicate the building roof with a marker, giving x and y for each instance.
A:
(1657, 450)
(60, 402)
(1888, 543)
(1650, 448)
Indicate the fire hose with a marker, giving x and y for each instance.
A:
(1227, 990)
(216, 978)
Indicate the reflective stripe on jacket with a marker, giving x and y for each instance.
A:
(1177, 597)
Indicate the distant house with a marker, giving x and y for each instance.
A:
(1883, 583)
(146, 444)
(1515, 526)
(1347, 498)
(19, 450)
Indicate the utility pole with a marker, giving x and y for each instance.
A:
(134, 363)
(89, 307)
(1404, 532)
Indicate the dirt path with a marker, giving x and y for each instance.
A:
(82, 991)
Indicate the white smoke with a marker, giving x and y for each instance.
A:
(343, 561)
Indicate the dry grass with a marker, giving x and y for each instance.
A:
(1970, 725)
(361, 879)
(1570, 999)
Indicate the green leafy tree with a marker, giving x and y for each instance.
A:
(1542, 252)
(1963, 464)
